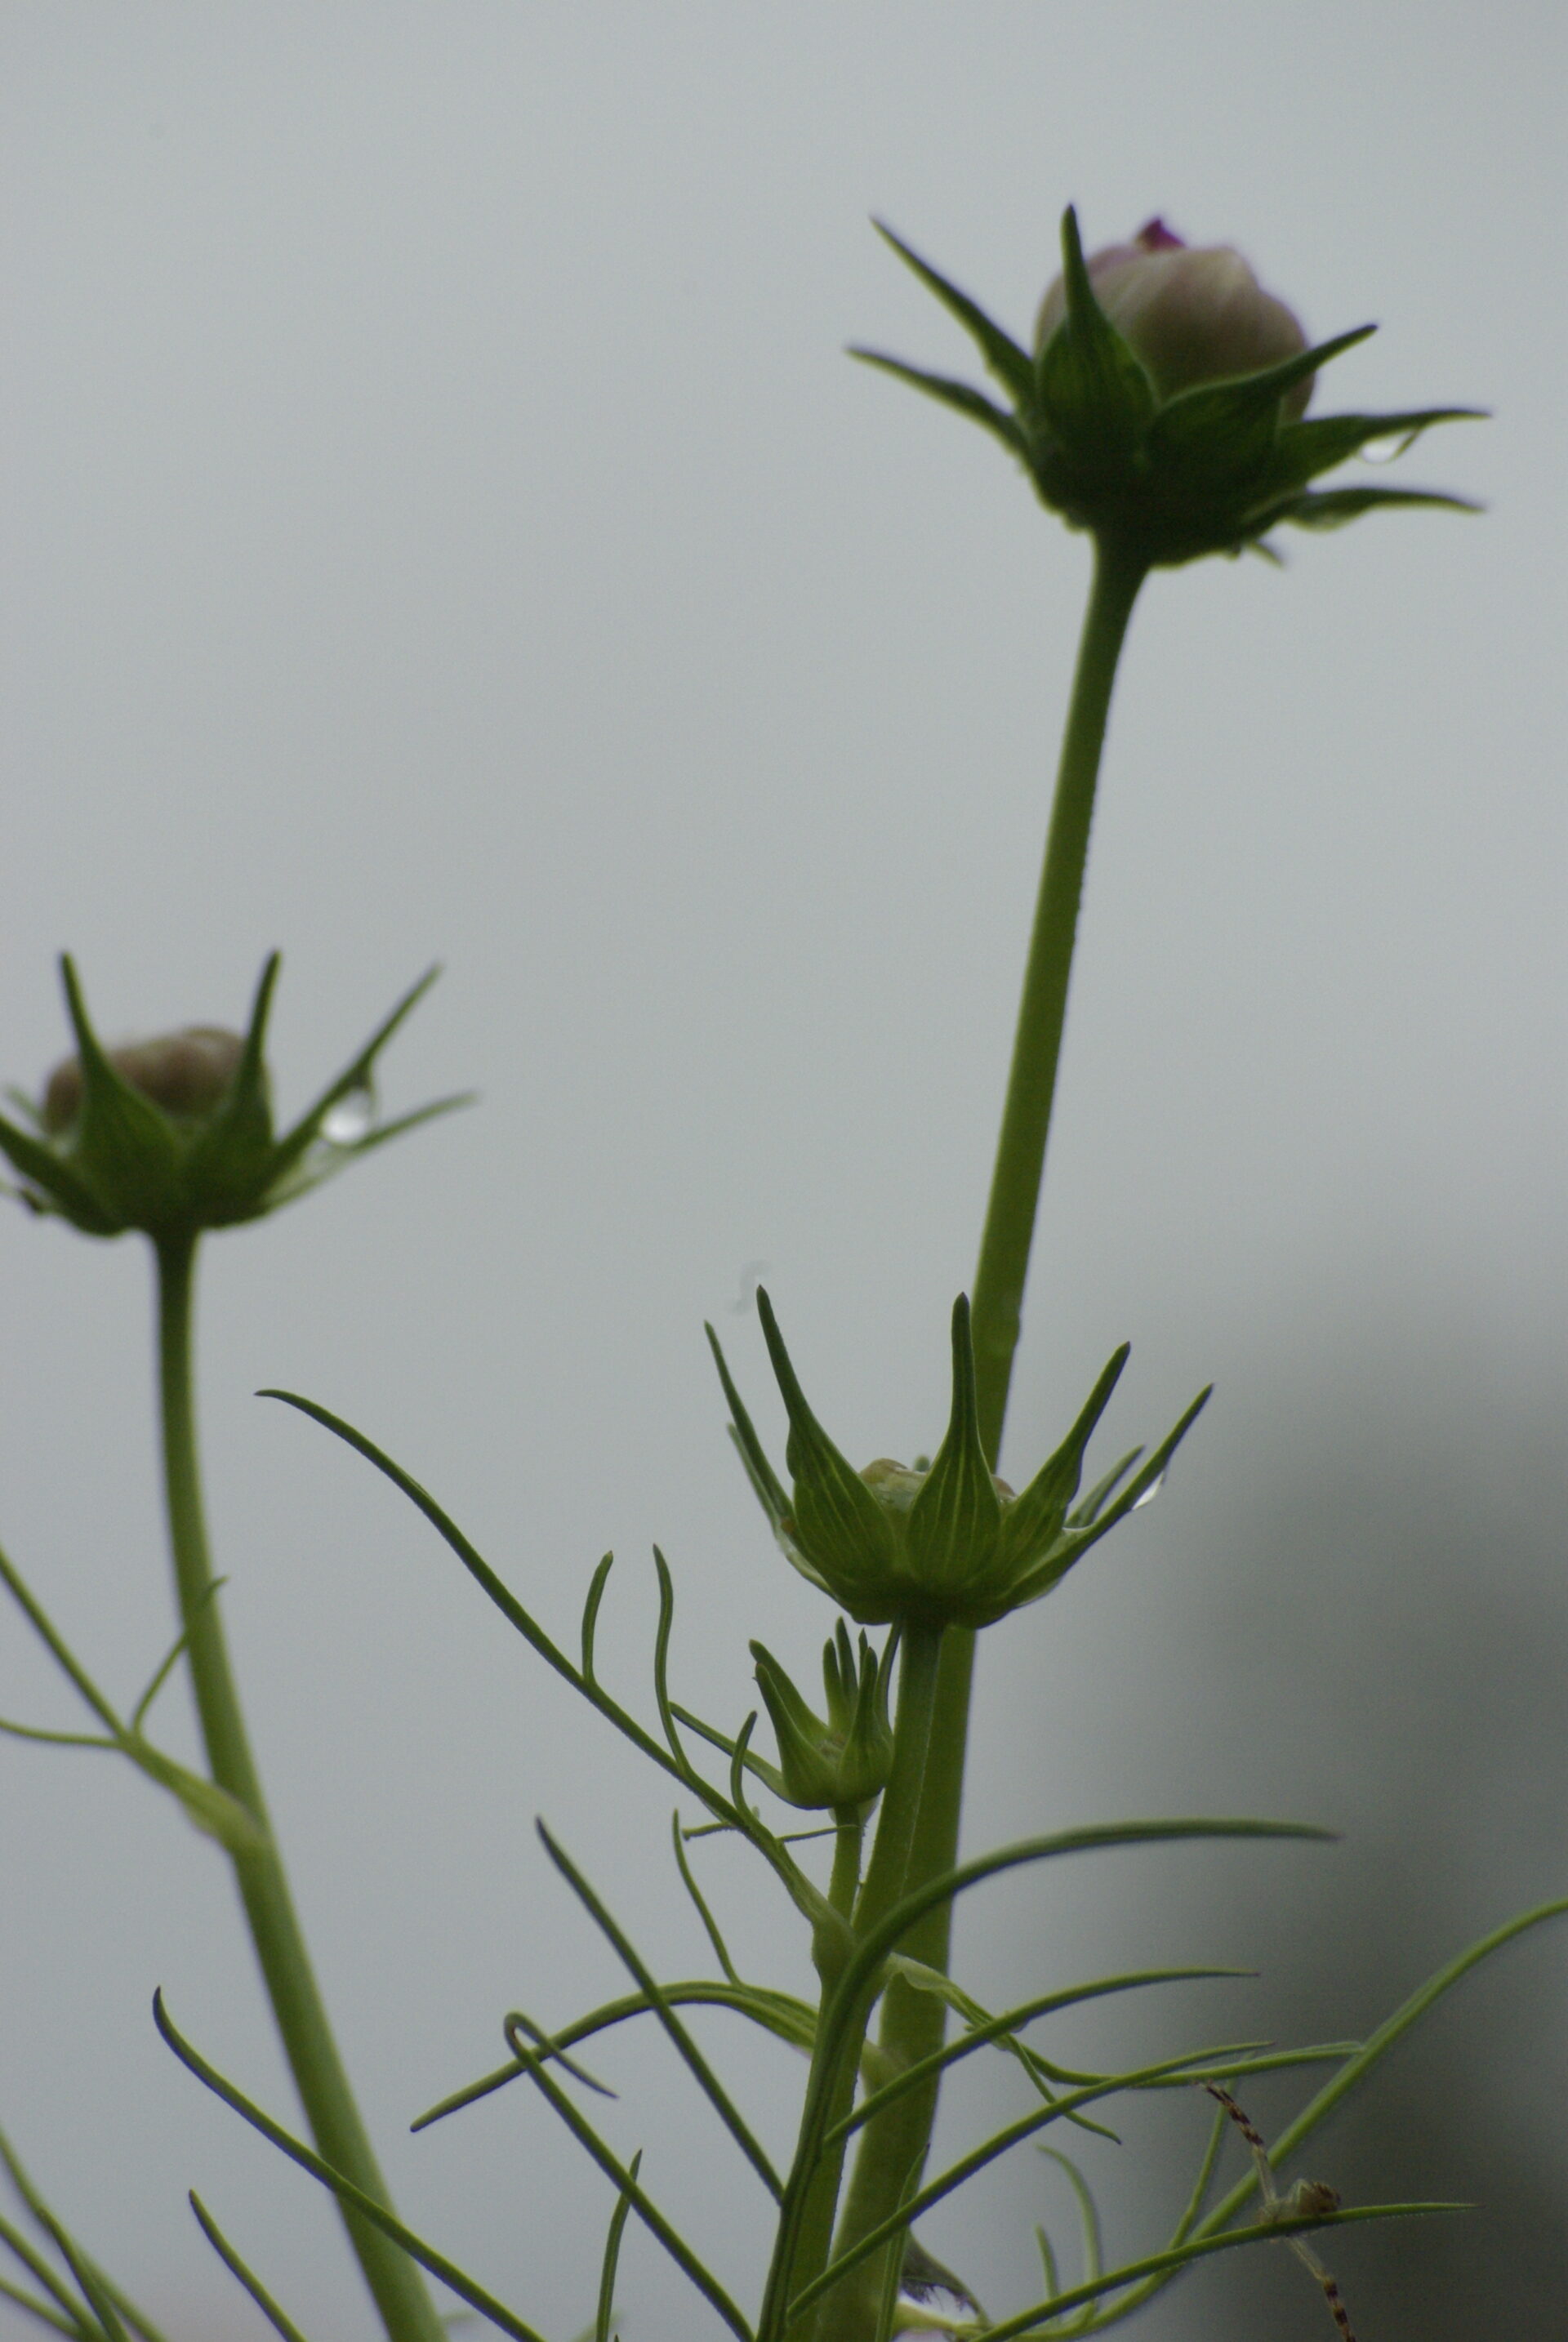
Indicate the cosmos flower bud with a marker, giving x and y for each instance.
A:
(948, 1545)
(188, 1074)
(176, 1135)
(1191, 314)
(1161, 406)
(841, 1760)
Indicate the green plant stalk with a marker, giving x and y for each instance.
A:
(806, 2242)
(913, 2023)
(407, 2312)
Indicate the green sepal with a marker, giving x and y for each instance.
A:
(124, 1161)
(1075, 1542)
(766, 1486)
(52, 1185)
(1010, 364)
(838, 1533)
(123, 1148)
(952, 1523)
(1041, 1510)
(1093, 388)
(356, 1078)
(1306, 449)
(960, 395)
(1212, 409)
(235, 1147)
(1333, 507)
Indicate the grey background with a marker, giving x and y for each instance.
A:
(443, 525)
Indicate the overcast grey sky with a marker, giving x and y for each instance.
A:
(444, 527)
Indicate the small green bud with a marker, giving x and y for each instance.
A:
(176, 1135)
(950, 1546)
(1162, 407)
(844, 1759)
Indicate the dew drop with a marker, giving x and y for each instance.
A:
(1150, 1493)
(346, 1123)
(1385, 451)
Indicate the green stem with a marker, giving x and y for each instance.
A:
(913, 2022)
(806, 2232)
(407, 2312)
(997, 1306)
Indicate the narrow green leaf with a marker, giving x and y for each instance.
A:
(652, 2220)
(720, 1950)
(167, 1665)
(88, 2278)
(686, 2047)
(605, 2316)
(757, 1766)
(344, 2189)
(67, 2316)
(1001, 2032)
(601, 1579)
(41, 2310)
(277, 2319)
(1009, 364)
(788, 2020)
(1179, 2256)
(1088, 2210)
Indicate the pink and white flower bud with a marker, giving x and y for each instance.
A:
(1192, 312)
(188, 1074)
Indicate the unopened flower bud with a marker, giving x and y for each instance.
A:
(950, 1546)
(841, 1760)
(1160, 406)
(188, 1074)
(176, 1135)
(1190, 313)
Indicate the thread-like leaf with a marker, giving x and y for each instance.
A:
(696, 2065)
(277, 2319)
(604, 2315)
(344, 2188)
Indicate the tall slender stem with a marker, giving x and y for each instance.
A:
(407, 2312)
(806, 2237)
(913, 2022)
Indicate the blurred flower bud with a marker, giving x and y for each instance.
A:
(1160, 408)
(187, 1074)
(950, 1545)
(842, 1761)
(176, 1135)
(1192, 313)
